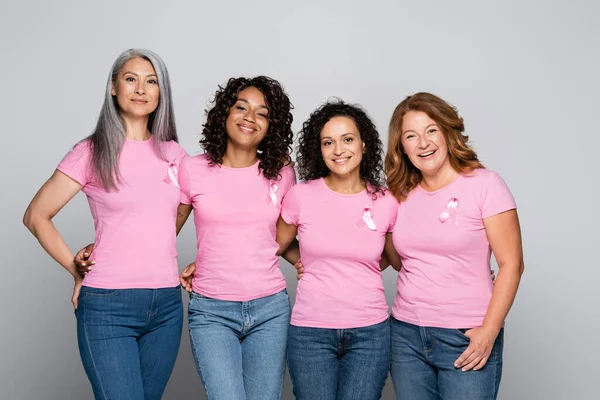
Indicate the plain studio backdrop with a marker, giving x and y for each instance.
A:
(523, 74)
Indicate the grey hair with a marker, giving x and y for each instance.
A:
(109, 135)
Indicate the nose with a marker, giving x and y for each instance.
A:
(338, 149)
(249, 116)
(139, 89)
(423, 142)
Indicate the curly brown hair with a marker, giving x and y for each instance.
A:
(274, 150)
(310, 162)
(402, 175)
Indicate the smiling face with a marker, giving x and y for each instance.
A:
(136, 89)
(341, 146)
(424, 143)
(248, 119)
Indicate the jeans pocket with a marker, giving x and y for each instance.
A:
(462, 333)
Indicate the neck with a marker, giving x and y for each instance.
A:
(137, 129)
(439, 179)
(236, 157)
(345, 184)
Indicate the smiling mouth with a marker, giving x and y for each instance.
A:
(246, 128)
(139, 101)
(429, 153)
(341, 161)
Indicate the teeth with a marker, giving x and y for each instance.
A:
(246, 129)
(341, 160)
(426, 154)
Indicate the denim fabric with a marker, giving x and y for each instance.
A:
(423, 365)
(128, 340)
(240, 346)
(343, 364)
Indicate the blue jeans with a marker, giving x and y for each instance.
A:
(128, 340)
(239, 346)
(343, 364)
(423, 365)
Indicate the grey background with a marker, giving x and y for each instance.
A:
(524, 74)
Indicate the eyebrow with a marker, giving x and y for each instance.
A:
(345, 134)
(247, 102)
(427, 127)
(133, 73)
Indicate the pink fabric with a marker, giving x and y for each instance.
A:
(235, 212)
(445, 278)
(342, 285)
(135, 226)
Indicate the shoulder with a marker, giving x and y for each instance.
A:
(173, 150)
(199, 161)
(81, 151)
(303, 188)
(287, 172)
(387, 198)
(482, 178)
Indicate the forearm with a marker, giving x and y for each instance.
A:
(292, 253)
(384, 262)
(183, 212)
(503, 296)
(51, 240)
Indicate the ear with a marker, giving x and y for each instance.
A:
(364, 148)
(113, 91)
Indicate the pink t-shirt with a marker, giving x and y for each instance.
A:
(445, 277)
(135, 226)
(342, 286)
(235, 213)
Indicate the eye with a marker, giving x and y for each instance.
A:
(238, 107)
(152, 81)
(130, 79)
(432, 131)
(327, 143)
(348, 140)
(410, 136)
(262, 115)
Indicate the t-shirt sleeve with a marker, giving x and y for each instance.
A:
(77, 163)
(392, 210)
(181, 155)
(290, 206)
(496, 197)
(288, 179)
(183, 177)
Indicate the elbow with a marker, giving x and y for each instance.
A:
(32, 220)
(28, 221)
(521, 268)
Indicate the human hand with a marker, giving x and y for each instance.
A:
(82, 261)
(299, 269)
(186, 277)
(76, 291)
(477, 354)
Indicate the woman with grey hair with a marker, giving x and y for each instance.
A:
(129, 309)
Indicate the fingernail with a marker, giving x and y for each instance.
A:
(83, 264)
(86, 254)
(93, 262)
(89, 269)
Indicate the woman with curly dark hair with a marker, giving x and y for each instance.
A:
(239, 309)
(339, 338)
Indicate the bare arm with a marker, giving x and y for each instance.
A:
(48, 201)
(390, 256)
(292, 253)
(286, 233)
(504, 234)
(183, 212)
